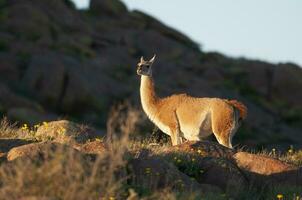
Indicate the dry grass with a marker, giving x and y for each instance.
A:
(8, 130)
(290, 156)
(12, 131)
(65, 175)
(69, 174)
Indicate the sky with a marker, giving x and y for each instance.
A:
(268, 30)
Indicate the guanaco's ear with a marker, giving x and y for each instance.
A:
(142, 59)
(152, 59)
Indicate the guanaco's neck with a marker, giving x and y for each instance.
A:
(148, 96)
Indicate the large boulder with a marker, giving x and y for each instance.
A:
(211, 163)
(44, 78)
(154, 174)
(65, 132)
(10, 99)
(42, 150)
(260, 164)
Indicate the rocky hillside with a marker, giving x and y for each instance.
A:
(56, 61)
(64, 160)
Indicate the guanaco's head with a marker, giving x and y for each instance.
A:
(145, 67)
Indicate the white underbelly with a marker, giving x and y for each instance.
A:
(197, 130)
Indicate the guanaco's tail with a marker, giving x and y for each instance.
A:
(240, 106)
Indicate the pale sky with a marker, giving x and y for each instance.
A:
(269, 30)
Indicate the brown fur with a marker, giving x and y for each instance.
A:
(183, 116)
(240, 106)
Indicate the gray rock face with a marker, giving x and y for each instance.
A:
(107, 7)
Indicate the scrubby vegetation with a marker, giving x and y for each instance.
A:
(130, 166)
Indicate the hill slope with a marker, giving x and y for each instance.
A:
(57, 61)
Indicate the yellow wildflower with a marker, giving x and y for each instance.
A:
(45, 124)
(148, 170)
(291, 149)
(24, 127)
(178, 161)
(280, 196)
(61, 130)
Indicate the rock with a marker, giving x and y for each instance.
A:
(9, 99)
(41, 150)
(19, 12)
(222, 173)
(8, 67)
(203, 148)
(37, 198)
(261, 164)
(155, 174)
(65, 132)
(7, 144)
(3, 157)
(44, 78)
(95, 147)
(107, 7)
(287, 80)
(29, 116)
(154, 24)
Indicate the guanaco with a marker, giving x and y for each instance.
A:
(182, 116)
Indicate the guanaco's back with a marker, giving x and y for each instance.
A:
(182, 116)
